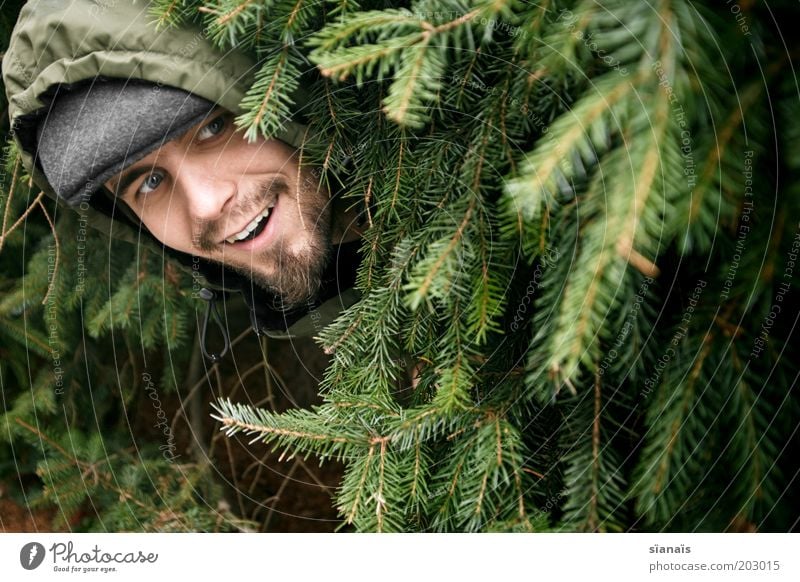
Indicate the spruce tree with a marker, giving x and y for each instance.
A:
(577, 282)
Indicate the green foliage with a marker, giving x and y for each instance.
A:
(172, 12)
(576, 280)
(141, 494)
(69, 321)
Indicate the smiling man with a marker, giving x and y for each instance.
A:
(247, 205)
(134, 126)
(210, 193)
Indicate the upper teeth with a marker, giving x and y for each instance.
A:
(250, 227)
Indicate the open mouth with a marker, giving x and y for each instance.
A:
(254, 228)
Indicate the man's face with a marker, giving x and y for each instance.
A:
(250, 206)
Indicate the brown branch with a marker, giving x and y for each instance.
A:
(381, 502)
(299, 169)
(293, 14)
(222, 20)
(354, 508)
(11, 189)
(21, 218)
(44, 437)
(268, 93)
(398, 174)
(52, 283)
(253, 428)
(482, 492)
(348, 332)
(532, 472)
(367, 197)
(164, 18)
(277, 497)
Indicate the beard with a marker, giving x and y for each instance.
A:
(295, 275)
(299, 275)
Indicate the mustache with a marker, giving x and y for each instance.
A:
(209, 233)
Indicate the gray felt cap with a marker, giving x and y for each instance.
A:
(95, 131)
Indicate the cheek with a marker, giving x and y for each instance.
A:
(170, 227)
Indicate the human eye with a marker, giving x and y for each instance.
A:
(150, 183)
(212, 128)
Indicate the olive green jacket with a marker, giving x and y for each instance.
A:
(69, 41)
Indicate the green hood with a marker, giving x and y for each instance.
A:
(68, 41)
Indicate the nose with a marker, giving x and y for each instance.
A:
(207, 188)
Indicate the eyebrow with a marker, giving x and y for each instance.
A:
(129, 178)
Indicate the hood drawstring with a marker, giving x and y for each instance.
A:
(254, 323)
(211, 310)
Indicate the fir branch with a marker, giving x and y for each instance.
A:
(524, 185)
(224, 17)
(721, 172)
(172, 13)
(359, 490)
(673, 433)
(87, 469)
(300, 429)
(267, 104)
(418, 64)
(27, 336)
(439, 253)
(584, 132)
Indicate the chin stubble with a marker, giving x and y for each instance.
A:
(298, 275)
